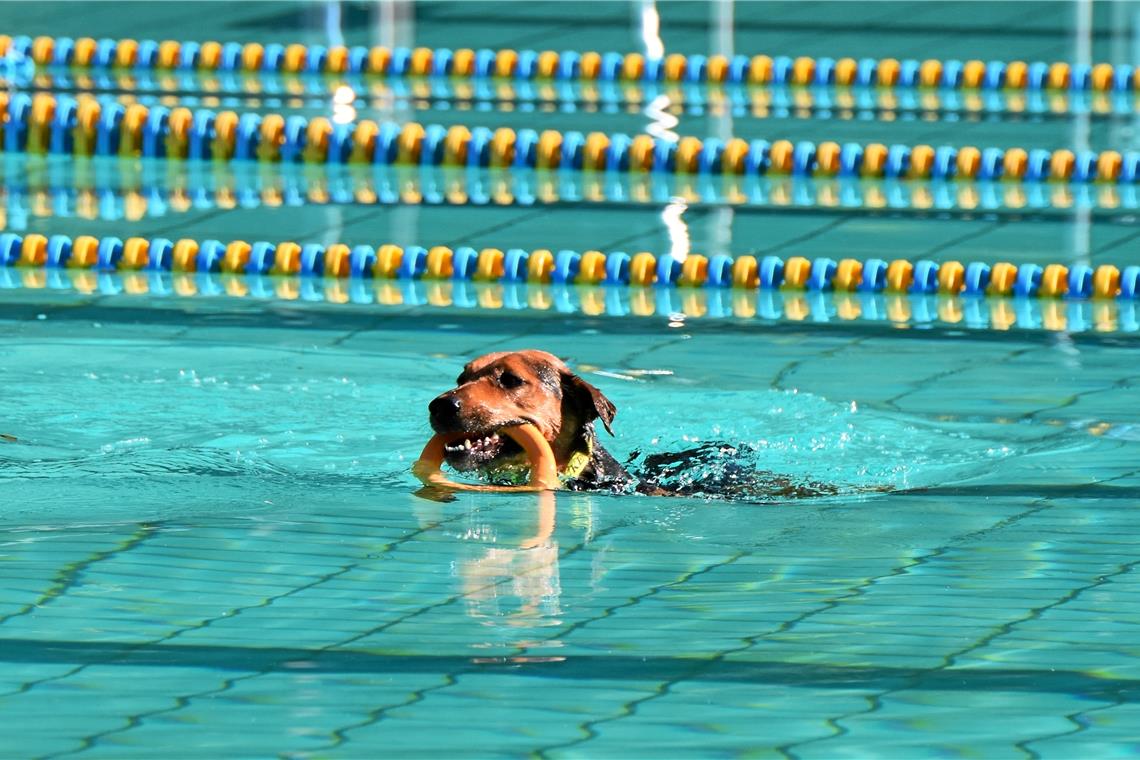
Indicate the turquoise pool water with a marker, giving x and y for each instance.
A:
(210, 540)
(212, 546)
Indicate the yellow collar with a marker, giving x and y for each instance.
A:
(578, 462)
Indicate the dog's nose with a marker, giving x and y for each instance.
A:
(444, 411)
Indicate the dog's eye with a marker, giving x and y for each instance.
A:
(510, 380)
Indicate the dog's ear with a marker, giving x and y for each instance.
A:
(591, 401)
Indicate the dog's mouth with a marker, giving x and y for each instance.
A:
(481, 450)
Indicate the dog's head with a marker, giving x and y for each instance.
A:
(513, 388)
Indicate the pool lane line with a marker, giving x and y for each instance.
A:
(45, 124)
(154, 191)
(543, 266)
(23, 51)
(209, 90)
(674, 305)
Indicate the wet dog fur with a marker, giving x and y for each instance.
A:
(515, 387)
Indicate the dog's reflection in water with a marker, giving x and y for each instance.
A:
(507, 566)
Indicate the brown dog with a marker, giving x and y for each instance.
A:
(511, 388)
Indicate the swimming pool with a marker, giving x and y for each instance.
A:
(212, 541)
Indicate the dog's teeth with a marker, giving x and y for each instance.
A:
(466, 443)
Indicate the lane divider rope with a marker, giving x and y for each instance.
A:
(674, 304)
(759, 101)
(46, 124)
(150, 194)
(87, 52)
(745, 271)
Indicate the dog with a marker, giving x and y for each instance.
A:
(516, 387)
(520, 387)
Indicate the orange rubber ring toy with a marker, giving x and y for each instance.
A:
(543, 466)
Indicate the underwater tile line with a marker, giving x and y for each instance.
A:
(183, 700)
(71, 573)
(577, 667)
